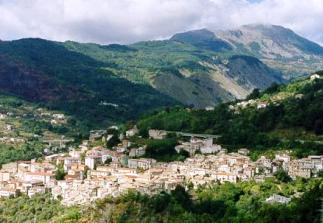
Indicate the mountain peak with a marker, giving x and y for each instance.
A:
(269, 30)
(262, 26)
(196, 35)
(271, 41)
(202, 38)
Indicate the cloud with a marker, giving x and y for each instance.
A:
(126, 21)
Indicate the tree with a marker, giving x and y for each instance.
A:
(254, 94)
(113, 141)
(282, 176)
(60, 173)
(318, 127)
(274, 87)
(320, 173)
(108, 161)
(182, 197)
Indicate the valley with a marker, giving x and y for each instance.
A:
(203, 126)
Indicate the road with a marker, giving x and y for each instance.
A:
(195, 134)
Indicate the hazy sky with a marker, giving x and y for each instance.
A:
(126, 21)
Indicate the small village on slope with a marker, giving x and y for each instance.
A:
(93, 172)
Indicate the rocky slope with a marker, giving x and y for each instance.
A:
(276, 46)
(195, 68)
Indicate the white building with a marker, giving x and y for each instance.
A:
(157, 134)
(244, 151)
(141, 163)
(137, 152)
(275, 198)
(205, 146)
(132, 132)
(314, 76)
(92, 161)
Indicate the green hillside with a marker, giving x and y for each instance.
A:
(292, 119)
(46, 72)
(104, 84)
(183, 70)
(293, 112)
(26, 126)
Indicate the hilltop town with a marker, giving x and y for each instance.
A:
(86, 173)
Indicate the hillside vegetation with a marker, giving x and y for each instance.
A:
(241, 202)
(25, 126)
(186, 71)
(46, 72)
(104, 84)
(292, 119)
(129, 80)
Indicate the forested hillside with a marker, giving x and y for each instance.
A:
(26, 126)
(114, 83)
(190, 72)
(46, 72)
(283, 116)
(103, 84)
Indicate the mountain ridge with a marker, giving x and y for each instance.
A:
(196, 68)
(46, 72)
(277, 46)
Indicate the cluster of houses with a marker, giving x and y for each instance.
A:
(28, 177)
(53, 118)
(11, 130)
(306, 167)
(260, 104)
(198, 145)
(11, 140)
(148, 176)
(95, 172)
(251, 102)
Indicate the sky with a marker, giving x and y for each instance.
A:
(128, 21)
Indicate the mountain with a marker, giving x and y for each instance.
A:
(104, 84)
(271, 41)
(185, 67)
(279, 47)
(203, 39)
(46, 72)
